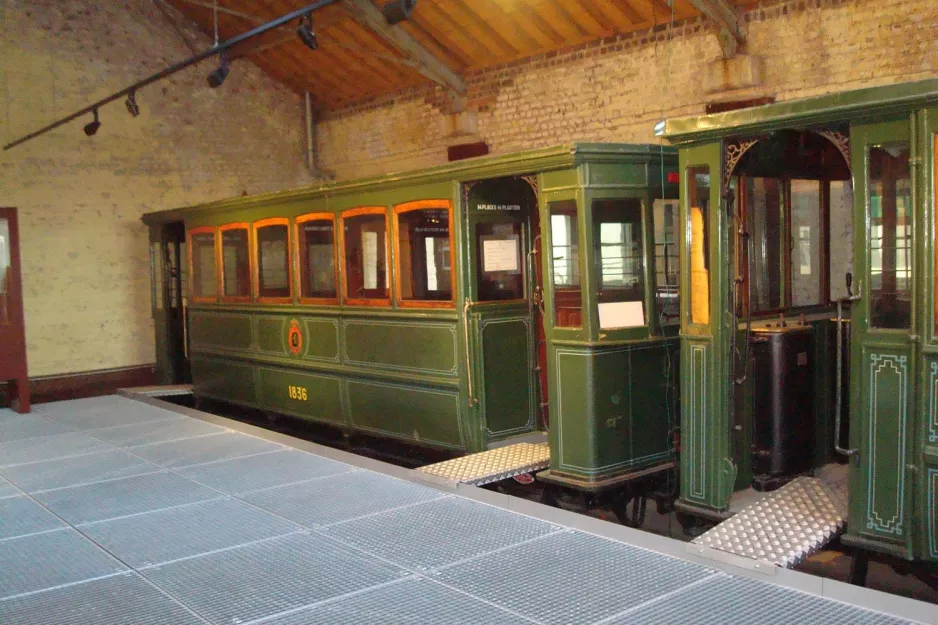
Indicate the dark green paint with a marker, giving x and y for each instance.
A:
(507, 379)
(324, 394)
(405, 344)
(228, 331)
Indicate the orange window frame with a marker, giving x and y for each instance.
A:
(257, 225)
(302, 219)
(408, 207)
(190, 234)
(221, 264)
(355, 212)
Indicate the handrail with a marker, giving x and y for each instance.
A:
(839, 397)
(473, 400)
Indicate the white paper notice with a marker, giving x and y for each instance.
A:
(370, 259)
(500, 255)
(621, 315)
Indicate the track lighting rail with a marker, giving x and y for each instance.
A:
(169, 71)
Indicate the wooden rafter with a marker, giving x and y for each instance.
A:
(424, 61)
(732, 33)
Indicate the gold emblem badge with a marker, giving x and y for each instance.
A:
(295, 337)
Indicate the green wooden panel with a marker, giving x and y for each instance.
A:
(573, 432)
(633, 174)
(654, 413)
(884, 411)
(230, 381)
(932, 515)
(271, 335)
(220, 330)
(611, 413)
(423, 415)
(695, 422)
(321, 337)
(323, 394)
(559, 179)
(401, 345)
(507, 381)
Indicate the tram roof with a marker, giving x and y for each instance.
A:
(477, 168)
(858, 105)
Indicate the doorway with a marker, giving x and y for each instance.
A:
(12, 319)
(168, 266)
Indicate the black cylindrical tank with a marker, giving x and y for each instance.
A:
(783, 419)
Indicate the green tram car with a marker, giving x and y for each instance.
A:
(457, 307)
(792, 212)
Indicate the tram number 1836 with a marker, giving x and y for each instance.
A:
(297, 392)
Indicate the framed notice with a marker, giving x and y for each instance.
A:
(501, 254)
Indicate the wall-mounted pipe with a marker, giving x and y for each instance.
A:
(169, 71)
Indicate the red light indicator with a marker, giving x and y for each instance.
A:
(673, 177)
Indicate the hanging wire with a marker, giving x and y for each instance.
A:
(215, 19)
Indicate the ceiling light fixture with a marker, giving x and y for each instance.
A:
(131, 103)
(306, 34)
(92, 126)
(397, 11)
(216, 78)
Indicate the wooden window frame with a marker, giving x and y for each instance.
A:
(257, 225)
(234, 299)
(356, 212)
(314, 301)
(216, 241)
(408, 207)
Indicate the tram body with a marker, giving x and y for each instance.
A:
(779, 203)
(455, 307)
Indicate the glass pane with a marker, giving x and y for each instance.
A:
(6, 271)
(499, 265)
(203, 265)
(698, 210)
(317, 259)
(424, 252)
(366, 257)
(565, 264)
(890, 219)
(235, 263)
(765, 208)
(806, 242)
(273, 258)
(667, 267)
(617, 248)
(841, 236)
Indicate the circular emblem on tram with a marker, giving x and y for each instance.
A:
(295, 337)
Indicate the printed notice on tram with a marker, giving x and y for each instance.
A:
(500, 255)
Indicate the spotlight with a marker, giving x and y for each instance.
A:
(132, 106)
(216, 78)
(306, 34)
(92, 127)
(398, 10)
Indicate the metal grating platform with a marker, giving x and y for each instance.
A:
(490, 466)
(224, 529)
(787, 525)
(168, 390)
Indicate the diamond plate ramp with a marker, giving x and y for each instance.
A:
(119, 600)
(409, 602)
(438, 532)
(787, 525)
(264, 579)
(725, 600)
(599, 578)
(489, 466)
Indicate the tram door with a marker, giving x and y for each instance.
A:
(12, 319)
(167, 262)
(504, 312)
(884, 339)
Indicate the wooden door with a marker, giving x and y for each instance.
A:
(12, 320)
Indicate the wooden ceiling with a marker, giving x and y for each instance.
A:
(354, 63)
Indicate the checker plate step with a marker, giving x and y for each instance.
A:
(489, 466)
(787, 525)
(169, 390)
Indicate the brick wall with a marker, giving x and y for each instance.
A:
(84, 249)
(616, 89)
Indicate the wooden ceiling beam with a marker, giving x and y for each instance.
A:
(426, 63)
(732, 32)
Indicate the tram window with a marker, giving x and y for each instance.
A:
(890, 236)
(424, 255)
(202, 245)
(273, 259)
(806, 245)
(619, 255)
(667, 263)
(366, 255)
(766, 222)
(565, 264)
(698, 205)
(235, 262)
(499, 266)
(316, 241)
